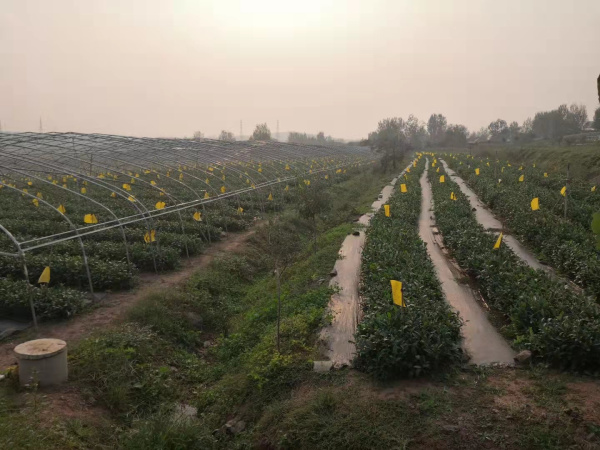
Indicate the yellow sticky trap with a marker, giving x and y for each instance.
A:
(113, 195)
(90, 218)
(502, 170)
(593, 188)
(137, 175)
(535, 204)
(160, 205)
(476, 171)
(36, 202)
(408, 169)
(153, 183)
(240, 210)
(563, 191)
(223, 189)
(45, 276)
(521, 168)
(498, 242)
(453, 196)
(260, 169)
(223, 178)
(206, 195)
(131, 198)
(387, 210)
(522, 178)
(442, 179)
(414, 163)
(270, 197)
(61, 209)
(545, 174)
(101, 176)
(29, 183)
(327, 177)
(150, 236)
(39, 195)
(397, 293)
(488, 164)
(287, 188)
(403, 188)
(180, 177)
(126, 187)
(197, 216)
(437, 170)
(287, 167)
(84, 190)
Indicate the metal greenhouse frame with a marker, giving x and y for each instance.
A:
(128, 180)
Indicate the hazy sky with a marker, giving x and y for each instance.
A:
(170, 67)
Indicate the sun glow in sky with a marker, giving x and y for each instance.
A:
(158, 68)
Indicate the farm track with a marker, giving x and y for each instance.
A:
(491, 224)
(113, 307)
(482, 341)
(338, 337)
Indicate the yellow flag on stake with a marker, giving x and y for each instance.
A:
(476, 171)
(387, 210)
(45, 276)
(453, 196)
(442, 179)
(563, 191)
(403, 188)
(535, 204)
(90, 218)
(522, 178)
(397, 293)
(270, 197)
(61, 209)
(197, 216)
(498, 242)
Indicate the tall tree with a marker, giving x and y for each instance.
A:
(226, 136)
(578, 115)
(456, 136)
(261, 133)
(436, 126)
(596, 122)
(498, 130)
(390, 140)
(415, 132)
(198, 135)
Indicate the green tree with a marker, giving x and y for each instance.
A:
(227, 136)
(261, 133)
(436, 127)
(596, 121)
(390, 140)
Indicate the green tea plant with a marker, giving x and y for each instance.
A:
(560, 326)
(425, 335)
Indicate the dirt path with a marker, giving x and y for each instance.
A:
(337, 338)
(490, 223)
(114, 306)
(481, 340)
